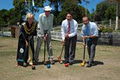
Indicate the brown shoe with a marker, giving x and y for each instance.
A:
(52, 62)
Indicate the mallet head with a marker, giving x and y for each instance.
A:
(83, 63)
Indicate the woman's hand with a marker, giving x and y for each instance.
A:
(27, 44)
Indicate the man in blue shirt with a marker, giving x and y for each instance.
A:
(69, 37)
(89, 34)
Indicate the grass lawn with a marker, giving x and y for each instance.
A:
(107, 68)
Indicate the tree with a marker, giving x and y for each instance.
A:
(4, 17)
(21, 7)
(72, 7)
(100, 11)
(110, 13)
(2, 22)
(107, 10)
(104, 11)
(58, 3)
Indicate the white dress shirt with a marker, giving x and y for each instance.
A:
(73, 28)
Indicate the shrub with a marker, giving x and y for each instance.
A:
(103, 29)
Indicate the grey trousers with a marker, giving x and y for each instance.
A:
(70, 47)
(91, 47)
(38, 47)
(49, 47)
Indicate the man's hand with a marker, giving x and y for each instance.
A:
(45, 37)
(86, 37)
(63, 42)
(83, 43)
(66, 36)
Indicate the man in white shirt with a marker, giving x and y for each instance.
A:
(69, 37)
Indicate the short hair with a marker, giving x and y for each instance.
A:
(86, 17)
(68, 13)
(30, 15)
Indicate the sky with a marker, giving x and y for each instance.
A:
(8, 4)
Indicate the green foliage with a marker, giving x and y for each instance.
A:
(17, 14)
(117, 31)
(58, 3)
(2, 22)
(104, 11)
(72, 7)
(110, 13)
(105, 29)
(20, 8)
(4, 17)
(100, 11)
(60, 15)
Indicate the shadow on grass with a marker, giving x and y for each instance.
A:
(98, 63)
(95, 63)
(77, 61)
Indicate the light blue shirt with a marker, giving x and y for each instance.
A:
(73, 28)
(92, 27)
(45, 23)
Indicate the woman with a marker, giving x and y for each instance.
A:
(28, 31)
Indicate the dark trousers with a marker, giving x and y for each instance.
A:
(70, 47)
(31, 42)
(91, 46)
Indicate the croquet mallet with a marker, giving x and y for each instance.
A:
(45, 52)
(59, 58)
(83, 62)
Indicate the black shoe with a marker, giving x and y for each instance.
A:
(88, 65)
(87, 62)
(71, 63)
(93, 63)
(35, 62)
(33, 67)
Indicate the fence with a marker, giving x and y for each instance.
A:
(107, 23)
(105, 38)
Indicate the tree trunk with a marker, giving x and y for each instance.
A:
(117, 16)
